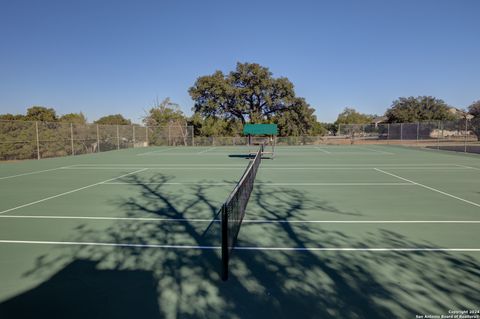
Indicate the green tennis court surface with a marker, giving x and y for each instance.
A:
(330, 231)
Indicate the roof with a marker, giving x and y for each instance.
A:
(260, 129)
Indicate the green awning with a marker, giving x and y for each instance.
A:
(260, 129)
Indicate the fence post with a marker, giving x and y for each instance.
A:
(466, 135)
(388, 133)
(133, 128)
(438, 135)
(418, 130)
(168, 135)
(71, 138)
(118, 139)
(38, 140)
(401, 131)
(98, 140)
(146, 135)
(193, 136)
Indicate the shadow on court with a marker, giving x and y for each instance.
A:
(185, 283)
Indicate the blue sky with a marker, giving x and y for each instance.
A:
(105, 57)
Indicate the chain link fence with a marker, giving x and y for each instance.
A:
(35, 140)
(462, 135)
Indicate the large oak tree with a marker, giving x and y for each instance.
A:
(251, 94)
(417, 109)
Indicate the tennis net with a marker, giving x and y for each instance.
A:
(233, 210)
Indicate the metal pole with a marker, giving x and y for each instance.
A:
(118, 139)
(169, 135)
(98, 140)
(133, 128)
(401, 131)
(38, 141)
(193, 137)
(438, 136)
(388, 133)
(466, 134)
(71, 138)
(225, 247)
(146, 134)
(418, 130)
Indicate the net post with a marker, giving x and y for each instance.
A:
(98, 140)
(38, 140)
(224, 243)
(71, 138)
(466, 134)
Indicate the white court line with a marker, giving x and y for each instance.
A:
(407, 249)
(34, 172)
(247, 221)
(172, 183)
(69, 192)
(286, 168)
(266, 184)
(295, 165)
(374, 150)
(428, 187)
(154, 152)
(469, 167)
(323, 150)
(208, 149)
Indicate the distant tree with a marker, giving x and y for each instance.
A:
(164, 113)
(351, 116)
(40, 113)
(474, 110)
(76, 118)
(12, 117)
(300, 120)
(330, 127)
(115, 119)
(417, 109)
(249, 94)
(213, 126)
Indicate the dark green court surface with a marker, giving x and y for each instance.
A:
(330, 232)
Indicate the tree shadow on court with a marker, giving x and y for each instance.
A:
(82, 290)
(262, 283)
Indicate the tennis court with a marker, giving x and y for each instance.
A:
(347, 231)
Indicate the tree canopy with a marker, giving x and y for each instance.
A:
(115, 119)
(417, 109)
(251, 94)
(164, 113)
(40, 113)
(474, 109)
(351, 116)
(76, 118)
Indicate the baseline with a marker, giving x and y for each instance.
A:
(76, 243)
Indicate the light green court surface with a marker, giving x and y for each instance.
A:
(330, 231)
